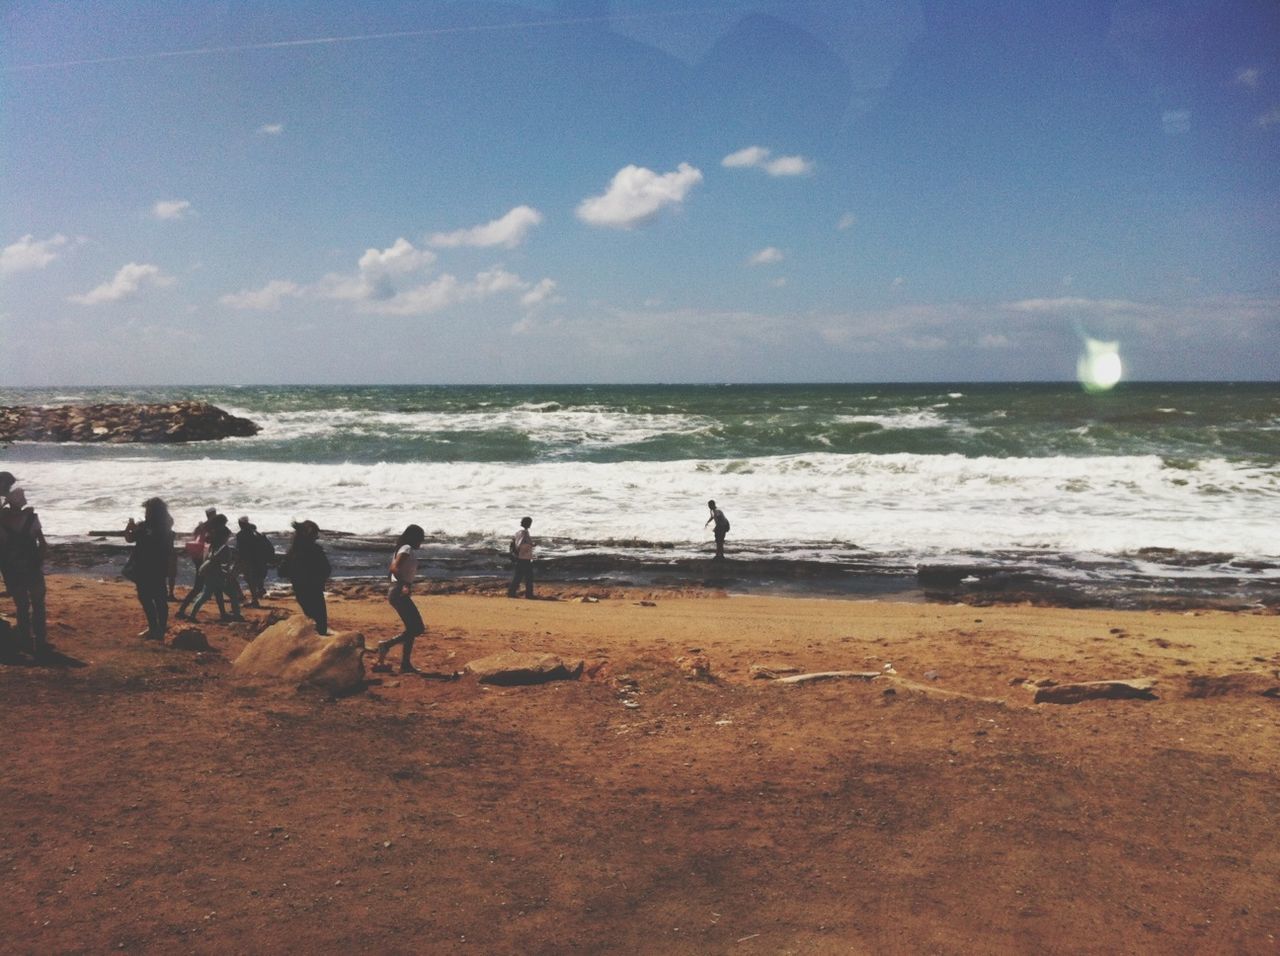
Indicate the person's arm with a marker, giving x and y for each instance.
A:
(42, 546)
(325, 570)
(396, 563)
(130, 531)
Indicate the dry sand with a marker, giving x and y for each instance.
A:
(151, 802)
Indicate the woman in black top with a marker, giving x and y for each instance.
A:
(306, 565)
(149, 564)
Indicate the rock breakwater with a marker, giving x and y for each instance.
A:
(118, 423)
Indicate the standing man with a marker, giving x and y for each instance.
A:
(23, 569)
(522, 545)
(721, 528)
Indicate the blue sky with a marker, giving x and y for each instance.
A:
(235, 192)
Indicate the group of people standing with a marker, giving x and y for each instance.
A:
(220, 559)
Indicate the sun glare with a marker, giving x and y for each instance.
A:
(1100, 368)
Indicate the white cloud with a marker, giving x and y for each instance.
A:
(767, 256)
(542, 292)
(171, 209)
(637, 194)
(757, 157)
(1074, 304)
(30, 253)
(445, 291)
(898, 282)
(509, 231)
(1248, 76)
(271, 129)
(997, 340)
(751, 156)
(779, 283)
(126, 282)
(398, 258)
(266, 299)
(1269, 118)
(1176, 121)
(847, 221)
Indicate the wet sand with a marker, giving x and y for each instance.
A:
(154, 803)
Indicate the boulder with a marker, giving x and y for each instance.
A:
(694, 666)
(513, 668)
(291, 651)
(122, 422)
(190, 639)
(1139, 689)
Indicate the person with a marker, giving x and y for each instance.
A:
(522, 545)
(148, 565)
(7, 481)
(217, 574)
(306, 566)
(255, 552)
(198, 550)
(721, 528)
(23, 569)
(404, 567)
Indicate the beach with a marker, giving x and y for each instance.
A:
(155, 802)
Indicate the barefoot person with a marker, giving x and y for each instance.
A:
(148, 565)
(23, 568)
(522, 545)
(721, 528)
(306, 565)
(404, 567)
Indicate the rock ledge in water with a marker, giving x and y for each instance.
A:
(119, 423)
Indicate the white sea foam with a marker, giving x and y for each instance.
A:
(912, 504)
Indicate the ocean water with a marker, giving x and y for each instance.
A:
(1159, 479)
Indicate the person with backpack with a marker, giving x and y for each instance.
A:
(521, 548)
(721, 529)
(148, 564)
(197, 548)
(255, 554)
(307, 567)
(404, 568)
(23, 569)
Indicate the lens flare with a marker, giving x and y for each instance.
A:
(1099, 368)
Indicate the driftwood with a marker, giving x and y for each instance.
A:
(827, 675)
(1138, 689)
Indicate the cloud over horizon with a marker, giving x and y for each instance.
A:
(131, 277)
(171, 209)
(637, 194)
(508, 230)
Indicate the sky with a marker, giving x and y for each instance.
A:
(583, 191)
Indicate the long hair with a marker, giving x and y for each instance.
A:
(413, 536)
(155, 512)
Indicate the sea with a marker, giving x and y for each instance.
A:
(1149, 488)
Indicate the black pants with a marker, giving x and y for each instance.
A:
(154, 598)
(523, 572)
(27, 590)
(720, 544)
(398, 597)
(311, 600)
(197, 587)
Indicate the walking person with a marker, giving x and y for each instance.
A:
(198, 550)
(306, 565)
(23, 569)
(217, 574)
(721, 528)
(254, 552)
(404, 568)
(148, 564)
(522, 545)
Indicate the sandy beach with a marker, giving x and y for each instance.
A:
(155, 803)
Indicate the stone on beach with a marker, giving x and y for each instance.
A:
(292, 651)
(1137, 689)
(190, 639)
(513, 668)
(122, 422)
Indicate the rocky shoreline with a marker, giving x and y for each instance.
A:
(120, 423)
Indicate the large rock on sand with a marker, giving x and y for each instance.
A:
(122, 422)
(512, 668)
(294, 653)
(1140, 689)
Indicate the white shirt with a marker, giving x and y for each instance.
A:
(408, 565)
(524, 545)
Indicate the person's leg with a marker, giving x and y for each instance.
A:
(413, 626)
(528, 579)
(720, 544)
(39, 631)
(16, 581)
(514, 586)
(160, 604)
(234, 594)
(197, 585)
(145, 598)
(207, 590)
